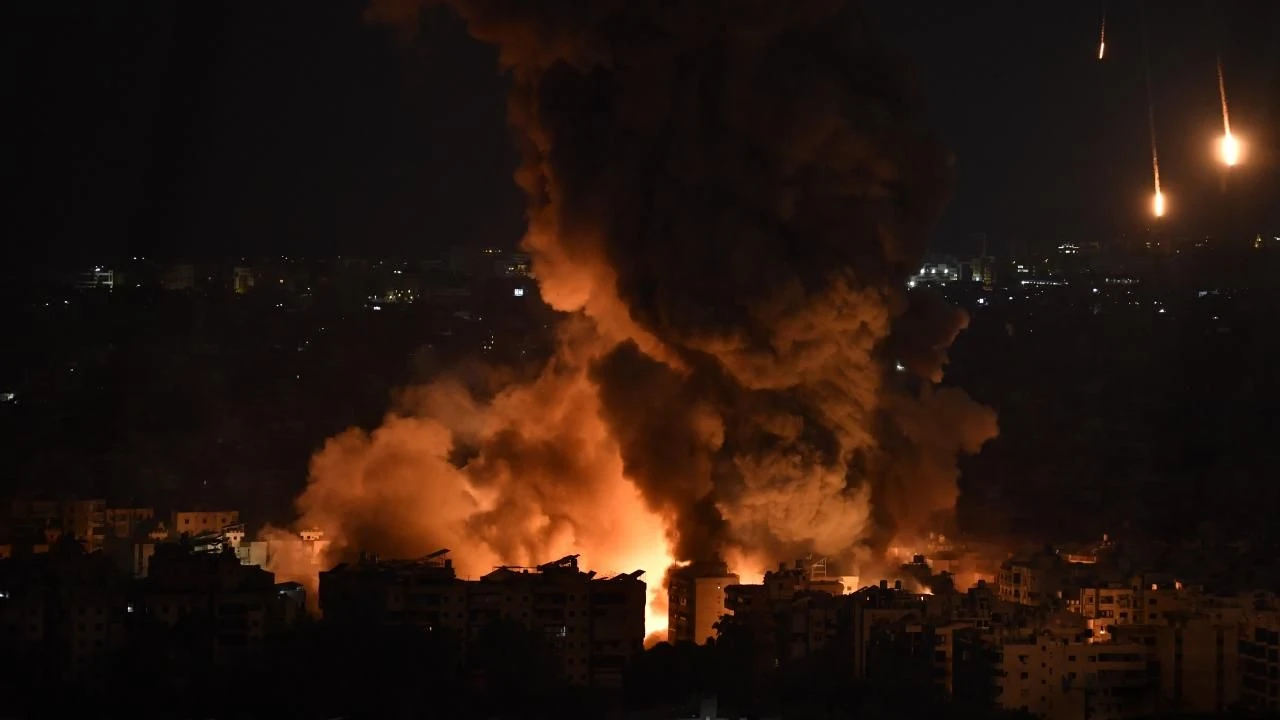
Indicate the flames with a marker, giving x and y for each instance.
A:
(731, 271)
(547, 481)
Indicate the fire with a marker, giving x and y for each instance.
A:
(1102, 34)
(1157, 204)
(1230, 148)
(640, 440)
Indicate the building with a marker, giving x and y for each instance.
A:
(1064, 677)
(34, 524)
(592, 625)
(878, 606)
(198, 522)
(514, 265)
(939, 269)
(242, 279)
(86, 521)
(229, 604)
(1259, 645)
(29, 518)
(794, 610)
(696, 601)
(1134, 600)
(128, 522)
(62, 614)
(96, 278)
(1032, 580)
(1197, 658)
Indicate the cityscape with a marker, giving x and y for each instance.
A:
(1105, 628)
(635, 359)
(1134, 621)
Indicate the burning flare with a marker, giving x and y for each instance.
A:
(1102, 36)
(1157, 202)
(1229, 145)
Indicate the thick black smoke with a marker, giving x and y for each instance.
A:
(734, 192)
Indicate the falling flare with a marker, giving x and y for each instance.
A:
(1102, 37)
(1230, 150)
(1229, 145)
(1157, 204)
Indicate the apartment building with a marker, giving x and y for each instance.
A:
(1068, 678)
(696, 600)
(593, 625)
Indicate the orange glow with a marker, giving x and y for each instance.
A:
(397, 490)
(1102, 49)
(1229, 147)
(1157, 203)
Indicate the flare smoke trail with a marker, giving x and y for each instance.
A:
(1157, 200)
(1230, 146)
(1102, 35)
(1222, 95)
(725, 199)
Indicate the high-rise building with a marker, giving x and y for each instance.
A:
(1059, 677)
(1260, 660)
(696, 601)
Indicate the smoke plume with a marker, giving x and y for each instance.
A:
(725, 198)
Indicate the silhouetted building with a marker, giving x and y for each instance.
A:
(1260, 660)
(62, 614)
(224, 607)
(1031, 580)
(594, 626)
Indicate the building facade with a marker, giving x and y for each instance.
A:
(593, 626)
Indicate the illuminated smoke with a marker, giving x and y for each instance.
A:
(725, 199)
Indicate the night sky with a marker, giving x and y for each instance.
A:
(203, 130)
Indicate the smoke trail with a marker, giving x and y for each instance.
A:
(1230, 146)
(1158, 196)
(726, 199)
(1102, 35)
(1222, 95)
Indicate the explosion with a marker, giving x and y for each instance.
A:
(725, 200)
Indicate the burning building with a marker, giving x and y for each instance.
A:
(727, 223)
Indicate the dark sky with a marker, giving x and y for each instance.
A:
(245, 126)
